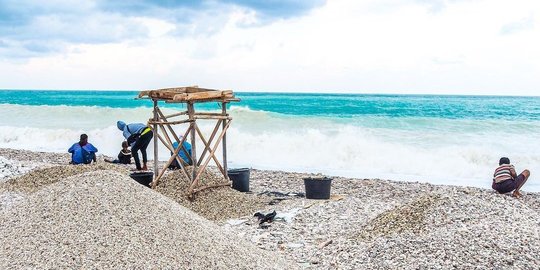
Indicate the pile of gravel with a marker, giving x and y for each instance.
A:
(104, 219)
(465, 228)
(409, 217)
(216, 204)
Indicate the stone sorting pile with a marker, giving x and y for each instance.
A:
(466, 228)
(105, 220)
(216, 204)
(409, 217)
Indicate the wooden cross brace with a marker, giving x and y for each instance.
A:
(211, 154)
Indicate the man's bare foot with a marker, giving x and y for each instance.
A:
(516, 194)
(144, 168)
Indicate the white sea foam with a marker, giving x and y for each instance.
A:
(444, 151)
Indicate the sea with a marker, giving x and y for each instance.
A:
(440, 139)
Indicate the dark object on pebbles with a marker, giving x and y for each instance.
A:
(318, 188)
(240, 179)
(265, 218)
(143, 178)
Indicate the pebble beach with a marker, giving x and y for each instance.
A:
(54, 215)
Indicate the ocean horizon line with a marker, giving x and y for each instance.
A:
(295, 93)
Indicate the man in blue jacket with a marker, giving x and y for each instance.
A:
(138, 136)
(82, 152)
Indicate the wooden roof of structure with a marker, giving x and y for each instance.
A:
(189, 94)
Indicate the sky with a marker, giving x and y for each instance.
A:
(476, 47)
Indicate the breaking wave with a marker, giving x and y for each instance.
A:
(436, 150)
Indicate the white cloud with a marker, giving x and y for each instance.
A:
(518, 26)
(344, 46)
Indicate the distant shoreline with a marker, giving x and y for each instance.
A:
(336, 93)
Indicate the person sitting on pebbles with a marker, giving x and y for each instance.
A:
(138, 136)
(182, 154)
(124, 157)
(82, 152)
(505, 178)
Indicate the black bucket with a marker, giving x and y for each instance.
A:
(240, 179)
(318, 188)
(143, 178)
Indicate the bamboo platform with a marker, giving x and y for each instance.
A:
(189, 93)
(162, 126)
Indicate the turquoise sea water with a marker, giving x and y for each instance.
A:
(440, 139)
(312, 104)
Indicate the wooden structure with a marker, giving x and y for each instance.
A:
(162, 124)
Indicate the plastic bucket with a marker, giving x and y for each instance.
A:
(239, 178)
(318, 188)
(143, 178)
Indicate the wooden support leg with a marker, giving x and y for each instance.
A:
(156, 155)
(191, 114)
(224, 142)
